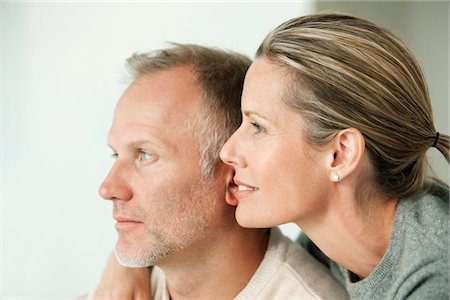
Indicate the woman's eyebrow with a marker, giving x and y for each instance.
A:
(250, 113)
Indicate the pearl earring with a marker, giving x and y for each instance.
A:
(335, 177)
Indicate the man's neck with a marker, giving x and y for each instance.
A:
(216, 267)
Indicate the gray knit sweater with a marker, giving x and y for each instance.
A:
(416, 263)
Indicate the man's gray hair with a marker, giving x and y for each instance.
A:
(220, 75)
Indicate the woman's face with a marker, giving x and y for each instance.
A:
(279, 177)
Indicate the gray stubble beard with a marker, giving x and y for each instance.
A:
(198, 205)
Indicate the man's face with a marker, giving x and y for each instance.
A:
(161, 201)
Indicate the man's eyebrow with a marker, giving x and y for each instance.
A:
(151, 142)
(144, 142)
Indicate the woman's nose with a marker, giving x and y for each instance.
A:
(230, 153)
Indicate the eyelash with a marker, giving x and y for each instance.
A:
(141, 153)
(258, 128)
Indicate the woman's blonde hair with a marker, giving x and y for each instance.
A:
(347, 72)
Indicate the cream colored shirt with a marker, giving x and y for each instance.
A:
(286, 272)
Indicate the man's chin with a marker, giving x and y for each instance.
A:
(132, 259)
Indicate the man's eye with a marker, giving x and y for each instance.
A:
(143, 156)
(258, 128)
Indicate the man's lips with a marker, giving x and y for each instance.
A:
(125, 223)
(124, 219)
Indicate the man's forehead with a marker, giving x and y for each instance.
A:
(164, 94)
(162, 127)
(161, 106)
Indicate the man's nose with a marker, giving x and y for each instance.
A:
(116, 186)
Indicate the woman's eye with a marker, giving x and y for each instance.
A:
(143, 156)
(258, 128)
(114, 156)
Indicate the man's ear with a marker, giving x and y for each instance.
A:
(346, 153)
(227, 175)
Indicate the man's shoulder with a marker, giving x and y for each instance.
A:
(158, 284)
(289, 272)
(311, 273)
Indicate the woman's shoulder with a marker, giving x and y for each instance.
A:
(422, 234)
(427, 216)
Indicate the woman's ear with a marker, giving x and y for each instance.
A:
(347, 151)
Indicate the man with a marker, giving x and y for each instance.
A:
(168, 185)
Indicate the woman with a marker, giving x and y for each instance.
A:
(336, 124)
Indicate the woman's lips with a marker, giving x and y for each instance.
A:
(242, 190)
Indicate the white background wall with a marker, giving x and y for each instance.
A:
(62, 68)
(61, 75)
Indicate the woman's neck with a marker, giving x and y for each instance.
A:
(356, 236)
